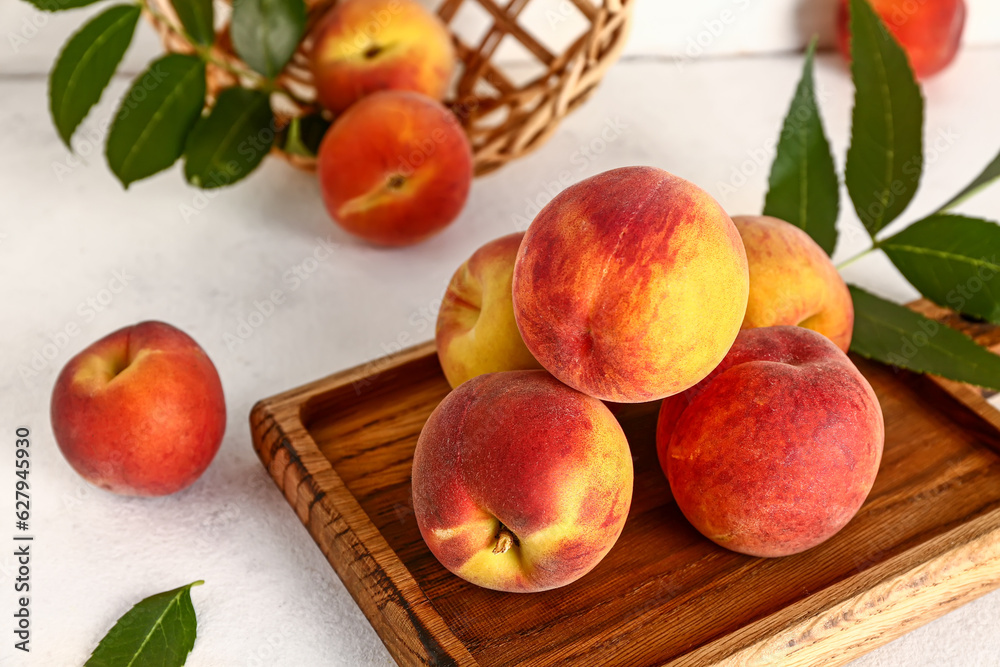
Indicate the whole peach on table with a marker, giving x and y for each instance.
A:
(778, 448)
(793, 282)
(140, 412)
(520, 483)
(395, 168)
(364, 46)
(930, 31)
(476, 332)
(631, 286)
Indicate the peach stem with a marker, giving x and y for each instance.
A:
(505, 540)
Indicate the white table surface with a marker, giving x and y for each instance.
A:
(270, 597)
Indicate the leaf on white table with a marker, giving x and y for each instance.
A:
(159, 630)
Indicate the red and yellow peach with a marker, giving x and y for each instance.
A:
(140, 412)
(364, 46)
(793, 282)
(930, 31)
(520, 483)
(777, 449)
(476, 332)
(631, 286)
(395, 168)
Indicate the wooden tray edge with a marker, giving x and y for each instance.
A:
(879, 605)
(391, 600)
(415, 633)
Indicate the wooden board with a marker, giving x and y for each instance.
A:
(926, 541)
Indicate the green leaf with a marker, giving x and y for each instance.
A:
(231, 141)
(159, 630)
(305, 134)
(198, 18)
(803, 186)
(885, 160)
(892, 334)
(990, 174)
(60, 5)
(952, 260)
(86, 65)
(155, 117)
(266, 32)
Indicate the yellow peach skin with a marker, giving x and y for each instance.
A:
(476, 331)
(369, 45)
(793, 282)
(631, 286)
(520, 483)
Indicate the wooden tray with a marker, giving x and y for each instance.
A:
(926, 541)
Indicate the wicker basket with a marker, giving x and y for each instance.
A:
(503, 118)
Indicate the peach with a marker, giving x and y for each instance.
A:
(364, 46)
(793, 282)
(140, 412)
(395, 169)
(930, 31)
(520, 483)
(777, 449)
(630, 286)
(476, 332)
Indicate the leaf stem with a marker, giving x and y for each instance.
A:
(860, 255)
(259, 82)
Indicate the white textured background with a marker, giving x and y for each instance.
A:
(270, 597)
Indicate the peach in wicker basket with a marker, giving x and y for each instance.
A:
(505, 116)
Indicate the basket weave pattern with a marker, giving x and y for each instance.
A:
(503, 118)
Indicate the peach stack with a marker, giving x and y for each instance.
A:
(395, 167)
(635, 286)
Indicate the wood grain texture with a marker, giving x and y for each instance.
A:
(926, 540)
